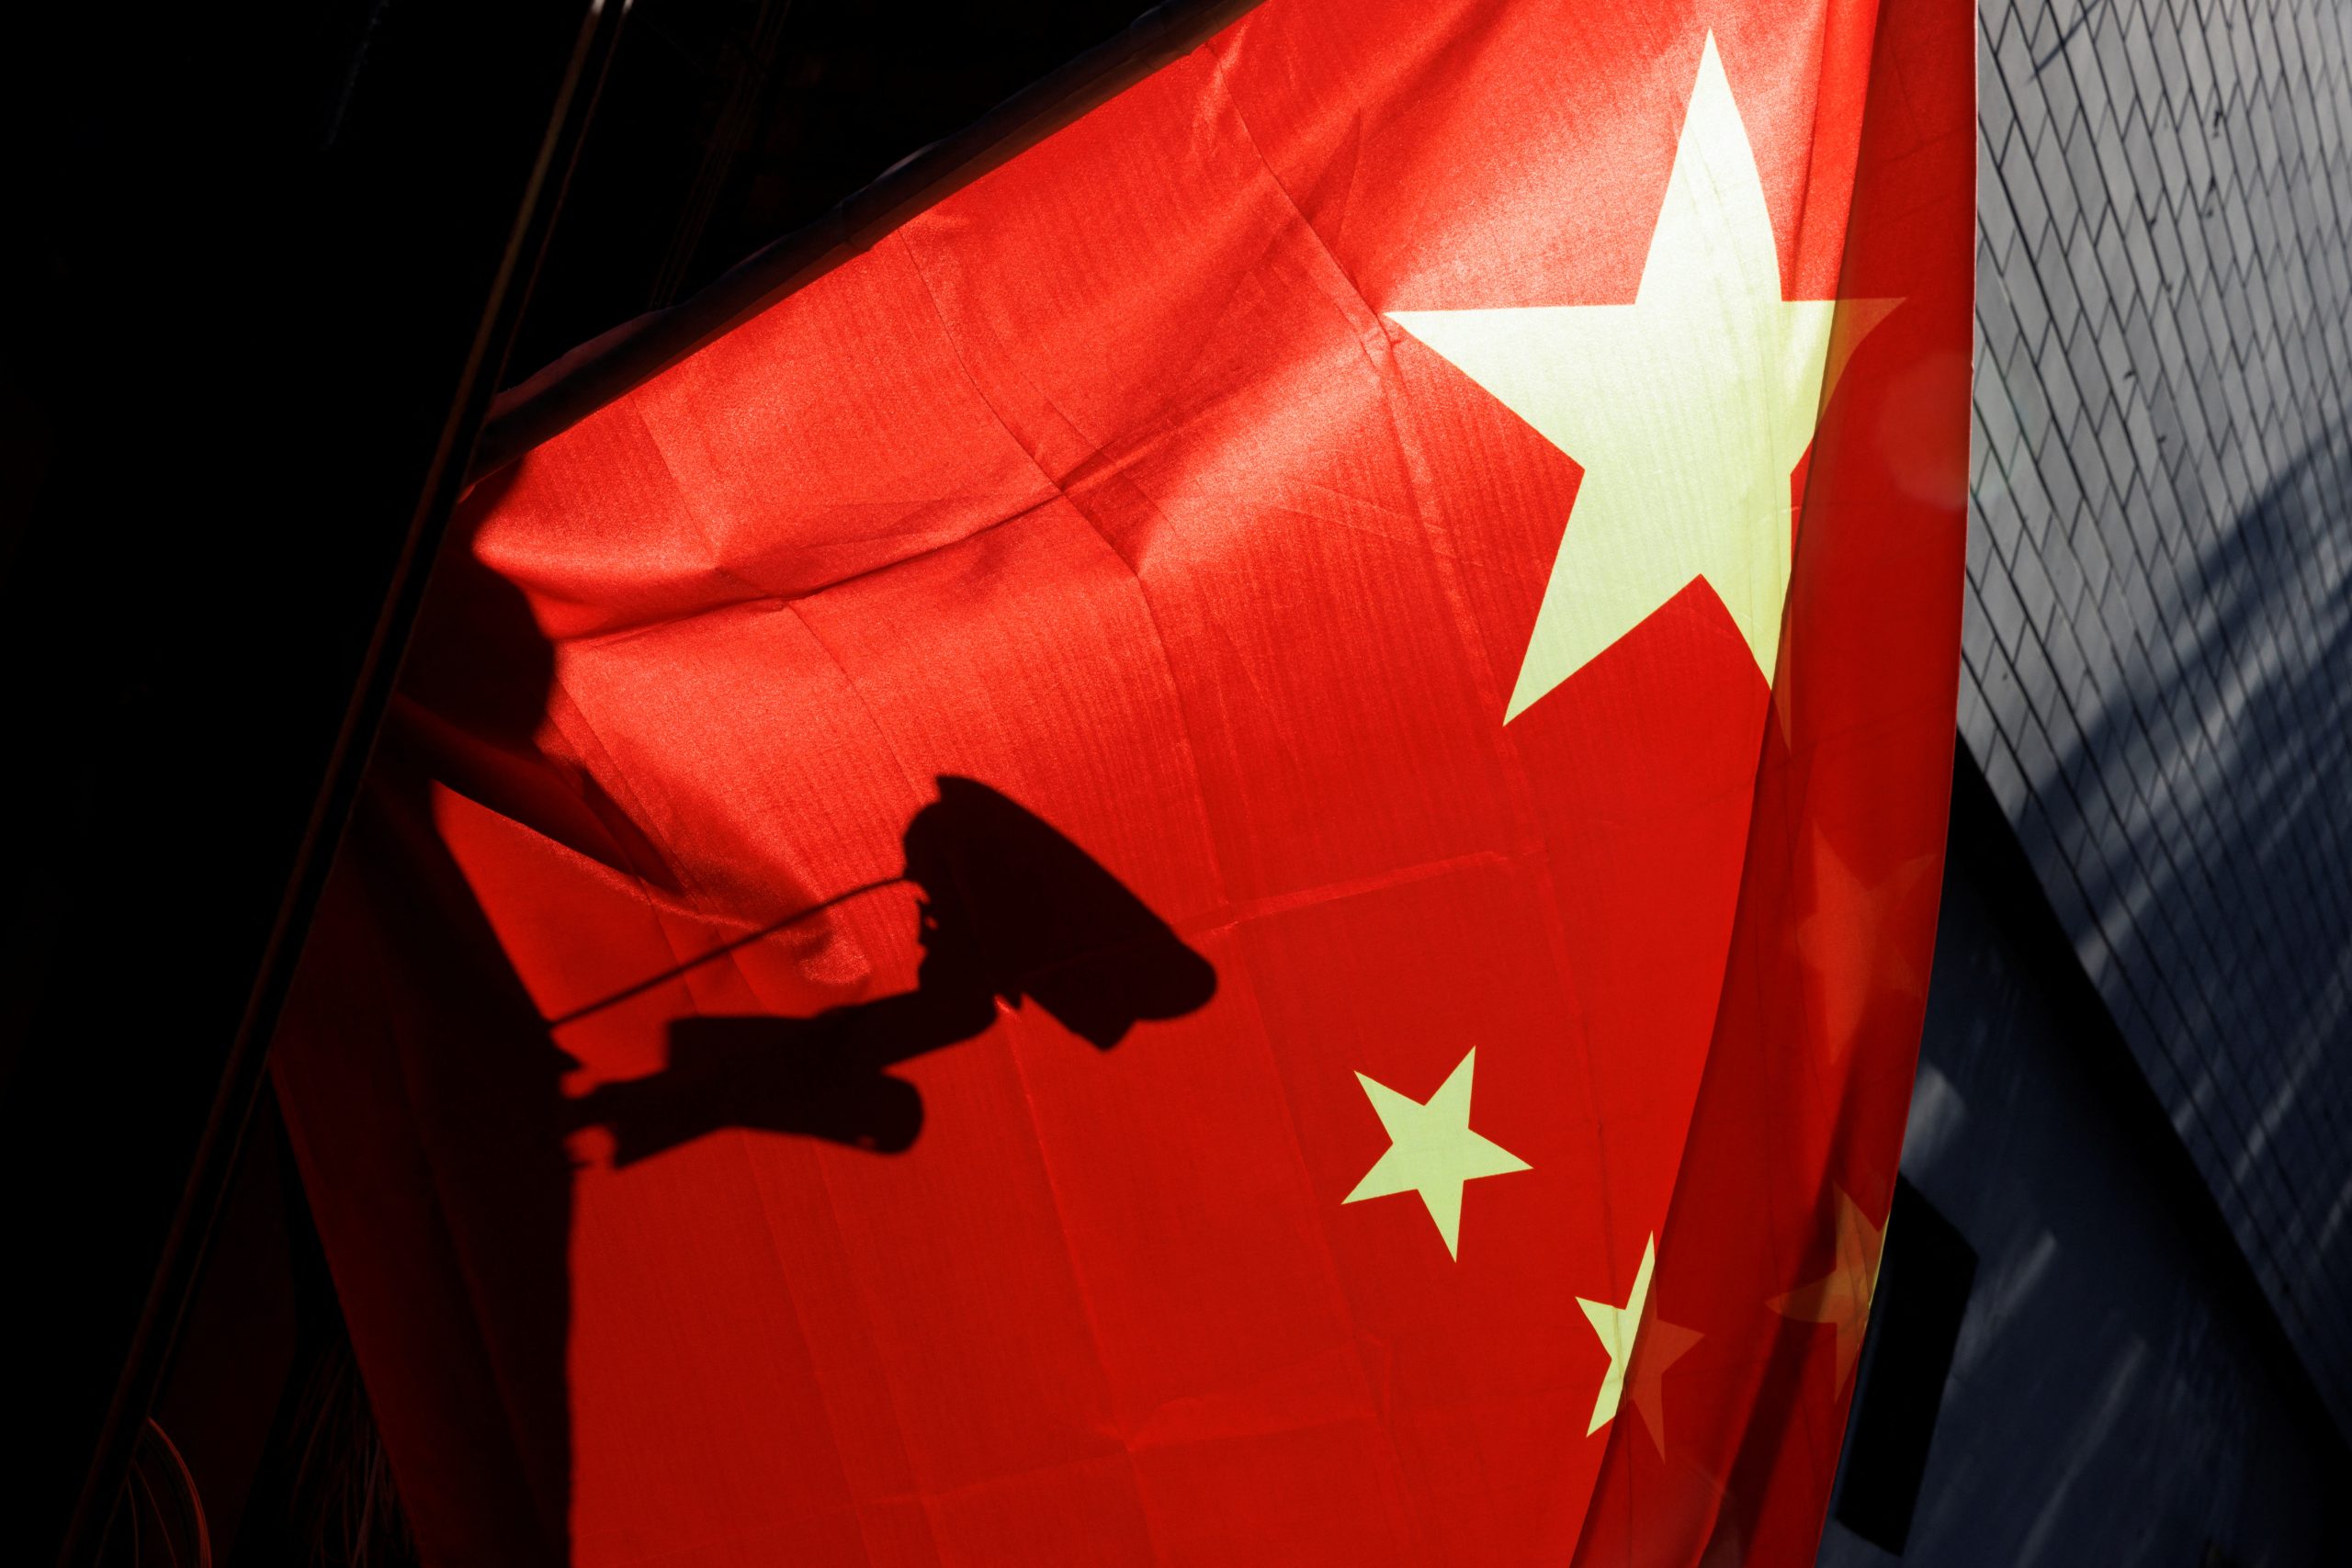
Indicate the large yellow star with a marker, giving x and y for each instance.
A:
(1688, 408)
(1842, 1297)
(1432, 1150)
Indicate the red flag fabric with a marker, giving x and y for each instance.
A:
(1226, 856)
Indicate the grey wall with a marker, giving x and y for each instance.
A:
(2110, 1401)
(2159, 636)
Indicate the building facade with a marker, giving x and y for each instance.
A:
(2158, 692)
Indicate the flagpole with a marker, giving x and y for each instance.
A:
(593, 37)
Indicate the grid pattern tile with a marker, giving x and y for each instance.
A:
(2158, 675)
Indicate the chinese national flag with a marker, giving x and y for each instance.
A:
(1226, 856)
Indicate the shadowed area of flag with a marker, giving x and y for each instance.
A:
(1011, 910)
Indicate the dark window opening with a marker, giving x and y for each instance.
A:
(1925, 1275)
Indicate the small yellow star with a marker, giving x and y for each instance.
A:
(1842, 1297)
(1660, 1346)
(1641, 1346)
(1855, 943)
(1432, 1150)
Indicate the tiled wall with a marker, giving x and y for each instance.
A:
(2159, 636)
(2107, 1406)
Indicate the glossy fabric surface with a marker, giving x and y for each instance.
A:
(1109, 487)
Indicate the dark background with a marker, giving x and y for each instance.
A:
(266, 266)
(725, 127)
